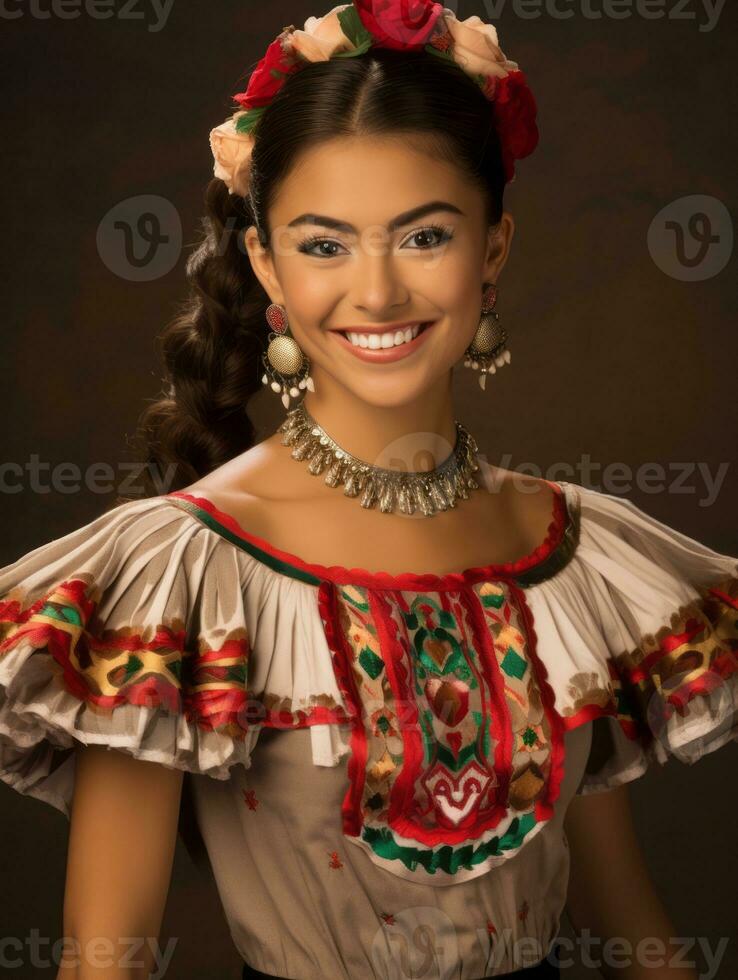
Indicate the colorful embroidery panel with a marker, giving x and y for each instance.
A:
(456, 750)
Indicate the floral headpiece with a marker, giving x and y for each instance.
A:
(350, 29)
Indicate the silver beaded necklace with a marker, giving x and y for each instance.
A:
(427, 491)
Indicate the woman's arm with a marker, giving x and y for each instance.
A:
(122, 839)
(611, 893)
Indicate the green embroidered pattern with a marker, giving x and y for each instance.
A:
(457, 756)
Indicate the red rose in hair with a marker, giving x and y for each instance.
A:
(404, 25)
(263, 83)
(515, 117)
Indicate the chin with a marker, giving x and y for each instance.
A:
(405, 388)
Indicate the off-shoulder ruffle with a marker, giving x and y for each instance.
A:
(147, 631)
(640, 636)
(130, 632)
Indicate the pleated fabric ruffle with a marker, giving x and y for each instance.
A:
(639, 634)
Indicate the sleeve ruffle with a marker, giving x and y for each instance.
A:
(647, 620)
(128, 632)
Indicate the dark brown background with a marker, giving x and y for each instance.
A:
(611, 356)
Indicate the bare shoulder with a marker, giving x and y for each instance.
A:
(257, 472)
(252, 485)
(526, 500)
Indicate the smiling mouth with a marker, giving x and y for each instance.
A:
(386, 355)
(372, 341)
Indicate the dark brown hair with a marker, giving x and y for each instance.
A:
(212, 349)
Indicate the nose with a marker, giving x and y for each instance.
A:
(377, 288)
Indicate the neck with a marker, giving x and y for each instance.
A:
(415, 436)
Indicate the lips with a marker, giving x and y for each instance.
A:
(384, 355)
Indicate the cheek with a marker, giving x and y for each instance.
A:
(310, 296)
(457, 293)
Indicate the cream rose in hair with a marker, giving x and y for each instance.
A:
(232, 155)
(475, 47)
(322, 37)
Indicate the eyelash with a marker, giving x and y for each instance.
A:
(444, 231)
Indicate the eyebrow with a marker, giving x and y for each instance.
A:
(401, 219)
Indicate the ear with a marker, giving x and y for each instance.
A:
(499, 238)
(262, 262)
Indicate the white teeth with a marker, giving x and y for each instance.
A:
(391, 339)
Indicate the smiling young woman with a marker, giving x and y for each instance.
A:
(386, 667)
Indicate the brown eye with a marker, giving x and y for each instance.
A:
(309, 244)
(444, 234)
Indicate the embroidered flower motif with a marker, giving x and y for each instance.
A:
(250, 799)
(524, 910)
(530, 737)
(389, 920)
(381, 723)
(335, 862)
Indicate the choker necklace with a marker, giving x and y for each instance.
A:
(428, 491)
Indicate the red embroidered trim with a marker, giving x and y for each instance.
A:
(722, 666)
(356, 765)
(68, 636)
(544, 807)
(671, 642)
(730, 600)
(415, 581)
(588, 713)
(300, 717)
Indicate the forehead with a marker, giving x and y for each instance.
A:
(367, 180)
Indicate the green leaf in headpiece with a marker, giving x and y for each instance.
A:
(353, 27)
(245, 123)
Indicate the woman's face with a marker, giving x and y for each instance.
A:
(430, 267)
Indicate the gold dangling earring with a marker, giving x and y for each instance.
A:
(286, 366)
(488, 349)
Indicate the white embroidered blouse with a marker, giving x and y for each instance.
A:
(373, 756)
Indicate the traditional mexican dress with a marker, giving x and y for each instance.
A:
(380, 764)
